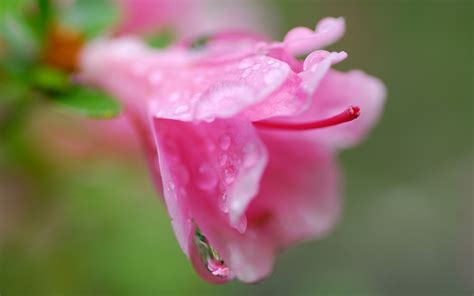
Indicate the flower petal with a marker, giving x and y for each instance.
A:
(336, 93)
(298, 200)
(262, 86)
(210, 171)
(300, 41)
(299, 195)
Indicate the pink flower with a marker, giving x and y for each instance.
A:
(194, 17)
(140, 16)
(236, 140)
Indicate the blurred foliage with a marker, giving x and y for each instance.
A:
(40, 57)
(98, 228)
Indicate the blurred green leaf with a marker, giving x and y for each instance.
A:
(160, 40)
(89, 102)
(45, 15)
(21, 42)
(90, 17)
(50, 79)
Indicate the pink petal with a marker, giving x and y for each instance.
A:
(210, 171)
(336, 92)
(315, 67)
(299, 195)
(300, 41)
(298, 200)
(142, 16)
(259, 85)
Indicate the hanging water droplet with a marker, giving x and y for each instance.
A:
(241, 224)
(209, 256)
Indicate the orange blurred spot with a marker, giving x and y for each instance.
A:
(62, 48)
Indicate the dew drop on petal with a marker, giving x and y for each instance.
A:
(244, 64)
(207, 179)
(223, 203)
(272, 77)
(241, 225)
(230, 174)
(181, 109)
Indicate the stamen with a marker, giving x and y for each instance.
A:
(347, 115)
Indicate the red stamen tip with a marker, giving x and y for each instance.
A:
(354, 111)
(347, 115)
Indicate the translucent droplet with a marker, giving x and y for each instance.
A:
(210, 258)
(207, 179)
(272, 77)
(245, 64)
(246, 73)
(224, 142)
(223, 206)
(230, 174)
(241, 225)
(181, 109)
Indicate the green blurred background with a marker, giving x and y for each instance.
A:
(97, 227)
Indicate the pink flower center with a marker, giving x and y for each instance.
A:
(347, 115)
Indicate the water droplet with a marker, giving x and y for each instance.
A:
(181, 109)
(270, 62)
(207, 179)
(272, 77)
(241, 225)
(246, 73)
(245, 64)
(224, 142)
(223, 203)
(229, 174)
(210, 258)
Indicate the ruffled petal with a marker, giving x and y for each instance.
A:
(168, 84)
(301, 40)
(210, 171)
(298, 200)
(299, 197)
(336, 93)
